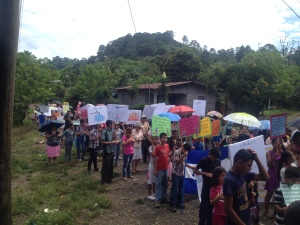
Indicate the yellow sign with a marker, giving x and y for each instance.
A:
(206, 130)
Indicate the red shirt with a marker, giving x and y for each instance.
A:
(219, 205)
(162, 156)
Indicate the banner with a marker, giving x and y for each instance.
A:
(117, 113)
(189, 126)
(134, 116)
(199, 106)
(278, 125)
(148, 111)
(257, 144)
(206, 130)
(216, 127)
(97, 114)
(160, 125)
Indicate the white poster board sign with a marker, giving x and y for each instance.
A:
(162, 109)
(199, 106)
(257, 144)
(148, 111)
(97, 114)
(44, 108)
(117, 113)
(158, 104)
(134, 116)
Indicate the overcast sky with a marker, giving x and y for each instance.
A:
(76, 28)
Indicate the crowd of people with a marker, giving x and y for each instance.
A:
(228, 197)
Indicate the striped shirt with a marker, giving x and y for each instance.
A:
(177, 167)
(94, 133)
(279, 200)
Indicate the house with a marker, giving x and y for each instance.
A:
(180, 93)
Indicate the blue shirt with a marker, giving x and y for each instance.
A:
(236, 185)
(42, 119)
(198, 146)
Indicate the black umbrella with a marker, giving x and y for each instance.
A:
(294, 123)
(57, 102)
(48, 124)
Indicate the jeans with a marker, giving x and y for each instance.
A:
(107, 167)
(161, 185)
(127, 158)
(68, 149)
(145, 150)
(205, 210)
(92, 159)
(80, 146)
(176, 190)
(117, 149)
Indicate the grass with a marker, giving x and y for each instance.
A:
(37, 186)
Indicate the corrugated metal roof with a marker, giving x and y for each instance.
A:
(154, 86)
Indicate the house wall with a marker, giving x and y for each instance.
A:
(183, 94)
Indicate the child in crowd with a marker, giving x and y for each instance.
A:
(127, 142)
(207, 165)
(161, 155)
(178, 160)
(291, 175)
(286, 160)
(235, 186)
(254, 208)
(151, 180)
(69, 134)
(292, 213)
(216, 196)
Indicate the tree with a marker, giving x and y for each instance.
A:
(185, 40)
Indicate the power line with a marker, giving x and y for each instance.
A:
(131, 16)
(291, 9)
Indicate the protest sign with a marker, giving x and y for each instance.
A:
(83, 111)
(148, 111)
(290, 193)
(257, 144)
(206, 130)
(161, 125)
(65, 108)
(189, 126)
(162, 109)
(117, 113)
(134, 116)
(158, 104)
(216, 127)
(44, 108)
(278, 125)
(97, 114)
(199, 106)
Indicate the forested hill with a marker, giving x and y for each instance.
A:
(246, 77)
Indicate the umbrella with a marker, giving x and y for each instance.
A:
(170, 116)
(243, 118)
(48, 124)
(181, 109)
(57, 102)
(215, 114)
(265, 125)
(294, 123)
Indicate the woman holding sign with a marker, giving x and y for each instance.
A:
(273, 157)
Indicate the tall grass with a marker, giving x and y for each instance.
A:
(38, 186)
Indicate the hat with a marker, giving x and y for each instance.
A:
(144, 116)
(138, 124)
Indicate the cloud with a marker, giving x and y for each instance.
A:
(76, 29)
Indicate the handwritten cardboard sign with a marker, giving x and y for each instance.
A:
(117, 113)
(97, 114)
(134, 116)
(290, 193)
(206, 130)
(161, 125)
(257, 144)
(278, 125)
(189, 126)
(216, 127)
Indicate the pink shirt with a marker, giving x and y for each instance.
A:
(219, 206)
(128, 148)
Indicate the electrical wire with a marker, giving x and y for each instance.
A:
(291, 9)
(131, 16)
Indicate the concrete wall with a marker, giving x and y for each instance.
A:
(182, 94)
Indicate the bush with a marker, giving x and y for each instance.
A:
(26, 122)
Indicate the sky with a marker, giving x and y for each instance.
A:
(76, 28)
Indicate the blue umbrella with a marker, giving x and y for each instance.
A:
(170, 116)
(48, 124)
(265, 125)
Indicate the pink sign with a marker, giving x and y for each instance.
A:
(189, 126)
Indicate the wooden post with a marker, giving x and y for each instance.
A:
(9, 34)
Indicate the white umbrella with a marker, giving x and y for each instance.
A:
(243, 118)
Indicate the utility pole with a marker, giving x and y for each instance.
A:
(9, 34)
